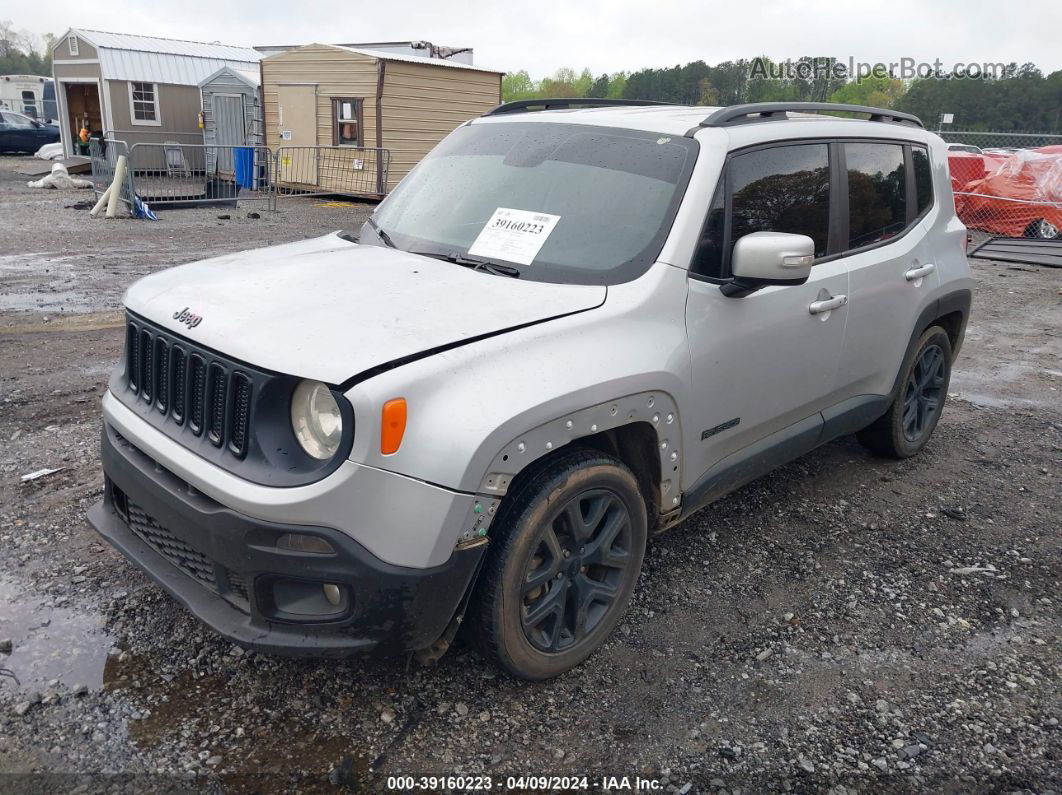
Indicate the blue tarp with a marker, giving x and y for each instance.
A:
(244, 157)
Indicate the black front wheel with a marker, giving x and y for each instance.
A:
(564, 559)
(913, 415)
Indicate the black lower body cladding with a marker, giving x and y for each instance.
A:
(226, 569)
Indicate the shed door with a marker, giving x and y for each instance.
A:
(231, 130)
(297, 115)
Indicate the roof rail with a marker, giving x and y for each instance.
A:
(771, 111)
(564, 103)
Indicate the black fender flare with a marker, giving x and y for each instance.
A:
(949, 303)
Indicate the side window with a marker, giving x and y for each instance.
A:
(877, 192)
(18, 121)
(923, 176)
(782, 189)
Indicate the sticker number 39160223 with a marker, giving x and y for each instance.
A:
(514, 235)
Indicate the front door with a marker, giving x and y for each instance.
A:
(83, 110)
(21, 134)
(297, 117)
(764, 365)
(229, 130)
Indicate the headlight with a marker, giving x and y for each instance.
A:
(316, 420)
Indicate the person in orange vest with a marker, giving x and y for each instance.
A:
(83, 136)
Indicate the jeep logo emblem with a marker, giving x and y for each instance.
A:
(186, 317)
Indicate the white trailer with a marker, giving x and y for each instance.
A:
(32, 95)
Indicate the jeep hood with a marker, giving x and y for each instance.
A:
(330, 309)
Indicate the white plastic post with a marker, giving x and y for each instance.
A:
(99, 205)
(116, 187)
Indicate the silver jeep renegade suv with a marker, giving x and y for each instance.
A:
(571, 326)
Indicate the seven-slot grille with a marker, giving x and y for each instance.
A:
(190, 385)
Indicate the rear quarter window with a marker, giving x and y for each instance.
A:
(923, 175)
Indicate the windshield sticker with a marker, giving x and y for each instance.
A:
(514, 235)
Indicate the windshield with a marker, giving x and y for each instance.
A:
(560, 202)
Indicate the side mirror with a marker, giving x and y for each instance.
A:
(764, 258)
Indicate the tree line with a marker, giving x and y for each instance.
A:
(1021, 98)
(23, 53)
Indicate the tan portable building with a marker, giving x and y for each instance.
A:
(335, 96)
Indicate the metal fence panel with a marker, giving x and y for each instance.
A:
(178, 173)
(327, 170)
(103, 155)
(1007, 184)
(171, 172)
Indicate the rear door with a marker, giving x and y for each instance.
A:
(764, 365)
(888, 192)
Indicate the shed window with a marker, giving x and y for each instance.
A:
(346, 122)
(71, 44)
(144, 103)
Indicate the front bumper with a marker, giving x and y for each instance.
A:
(224, 566)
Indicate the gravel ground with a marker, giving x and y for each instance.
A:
(845, 624)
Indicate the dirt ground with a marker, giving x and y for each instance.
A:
(846, 624)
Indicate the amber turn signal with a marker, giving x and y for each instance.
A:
(393, 425)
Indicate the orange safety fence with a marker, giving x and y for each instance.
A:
(1010, 194)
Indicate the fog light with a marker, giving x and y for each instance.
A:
(304, 600)
(303, 542)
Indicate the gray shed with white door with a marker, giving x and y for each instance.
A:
(232, 113)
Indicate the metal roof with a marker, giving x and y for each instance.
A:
(151, 59)
(385, 56)
(251, 78)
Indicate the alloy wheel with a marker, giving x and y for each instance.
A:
(1046, 230)
(923, 393)
(575, 571)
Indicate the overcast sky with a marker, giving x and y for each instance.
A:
(542, 35)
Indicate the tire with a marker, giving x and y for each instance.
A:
(913, 415)
(1042, 230)
(564, 558)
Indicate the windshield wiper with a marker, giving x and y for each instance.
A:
(380, 233)
(474, 263)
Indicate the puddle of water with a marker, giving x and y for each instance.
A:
(31, 257)
(50, 642)
(45, 282)
(50, 301)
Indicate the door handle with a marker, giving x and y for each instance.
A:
(828, 304)
(918, 273)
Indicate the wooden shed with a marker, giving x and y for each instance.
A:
(232, 108)
(347, 98)
(232, 114)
